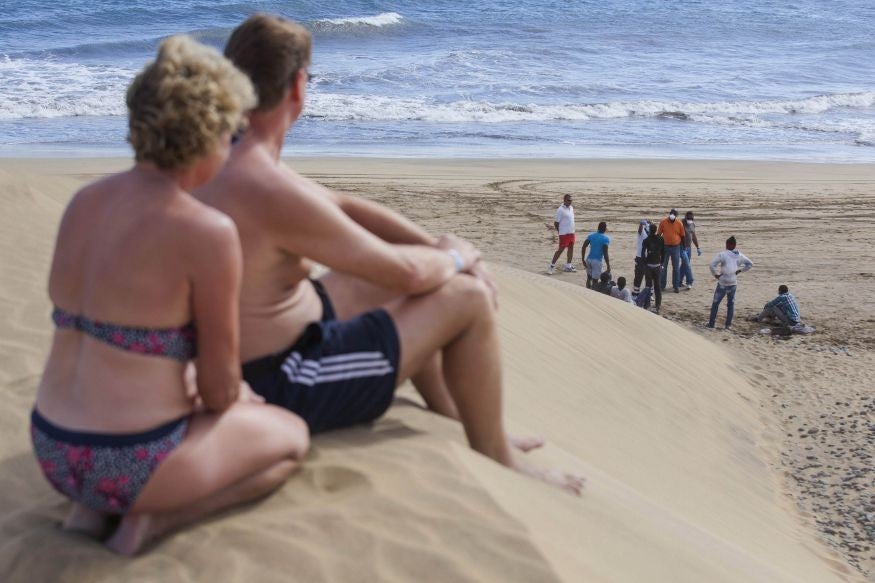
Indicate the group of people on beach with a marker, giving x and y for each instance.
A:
(671, 240)
(193, 355)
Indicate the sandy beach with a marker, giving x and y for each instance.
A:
(710, 455)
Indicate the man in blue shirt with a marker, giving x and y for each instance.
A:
(783, 308)
(598, 253)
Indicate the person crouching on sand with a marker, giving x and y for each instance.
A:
(144, 280)
(397, 304)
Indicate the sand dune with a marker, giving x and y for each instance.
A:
(680, 455)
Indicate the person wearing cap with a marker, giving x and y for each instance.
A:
(672, 231)
(598, 252)
(643, 232)
(564, 224)
(690, 239)
(725, 268)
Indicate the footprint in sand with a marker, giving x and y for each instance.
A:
(336, 479)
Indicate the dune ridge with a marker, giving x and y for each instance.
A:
(680, 457)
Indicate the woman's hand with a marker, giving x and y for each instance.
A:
(247, 395)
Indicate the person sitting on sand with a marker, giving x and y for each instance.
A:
(784, 308)
(598, 243)
(620, 291)
(144, 280)
(725, 268)
(604, 284)
(397, 304)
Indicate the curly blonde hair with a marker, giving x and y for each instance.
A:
(183, 102)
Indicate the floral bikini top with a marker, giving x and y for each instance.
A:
(178, 343)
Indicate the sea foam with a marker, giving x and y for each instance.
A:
(378, 20)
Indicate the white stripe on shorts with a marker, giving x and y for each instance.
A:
(335, 368)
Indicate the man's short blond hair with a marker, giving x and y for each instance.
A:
(181, 104)
(271, 50)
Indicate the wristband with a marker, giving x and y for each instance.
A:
(457, 259)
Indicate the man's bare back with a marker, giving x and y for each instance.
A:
(276, 300)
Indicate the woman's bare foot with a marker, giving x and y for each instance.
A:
(525, 443)
(571, 483)
(132, 534)
(86, 521)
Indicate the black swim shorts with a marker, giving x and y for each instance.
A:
(337, 373)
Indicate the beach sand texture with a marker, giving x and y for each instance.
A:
(691, 473)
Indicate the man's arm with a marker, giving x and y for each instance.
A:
(383, 222)
(744, 263)
(714, 265)
(607, 259)
(393, 227)
(583, 250)
(695, 239)
(304, 221)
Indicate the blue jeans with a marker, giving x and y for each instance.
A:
(722, 291)
(687, 265)
(672, 252)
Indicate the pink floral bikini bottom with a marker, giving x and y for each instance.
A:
(102, 471)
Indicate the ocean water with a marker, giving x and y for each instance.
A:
(742, 79)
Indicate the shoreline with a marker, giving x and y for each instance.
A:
(116, 158)
(804, 224)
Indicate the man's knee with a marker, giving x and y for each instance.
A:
(470, 291)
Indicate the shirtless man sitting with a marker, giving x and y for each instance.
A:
(398, 303)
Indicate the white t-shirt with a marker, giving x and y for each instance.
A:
(565, 218)
(624, 294)
(640, 241)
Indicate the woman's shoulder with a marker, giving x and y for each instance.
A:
(203, 226)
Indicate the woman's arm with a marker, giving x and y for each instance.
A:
(216, 272)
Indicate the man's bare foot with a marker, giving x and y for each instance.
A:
(525, 443)
(133, 533)
(86, 521)
(571, 483)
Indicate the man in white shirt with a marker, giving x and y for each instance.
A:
(725, 268)
(620, 291)
(564, 224)
(643, 232)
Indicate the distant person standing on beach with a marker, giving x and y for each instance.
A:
(598, 253)
(672, 231)
(643, 232)
(690, 239)
(564, 224)
(725, 268)
(652, 253)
